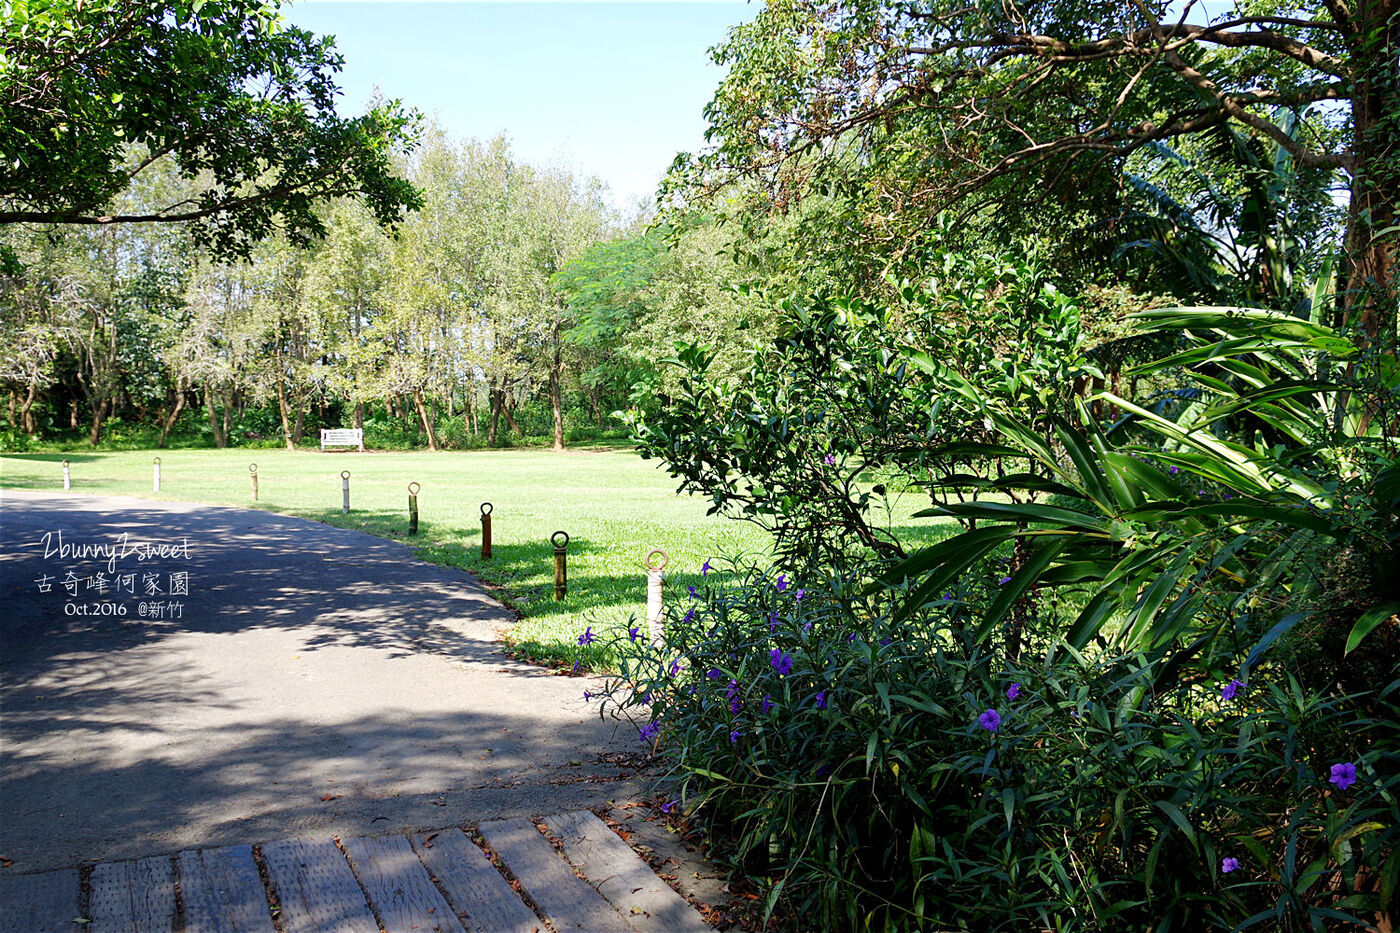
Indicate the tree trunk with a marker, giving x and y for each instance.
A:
(169, 423)
(282, 410)
(360, 415)
(220, 438)
(72, 414)
(556, 402)
(556, 387)
(14, 400)
(427, 422)
(510, 420)
(496, 399)
(298, 427)
(1371, 290)
(99, 415)
(26, 411)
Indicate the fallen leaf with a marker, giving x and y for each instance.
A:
(325, 797)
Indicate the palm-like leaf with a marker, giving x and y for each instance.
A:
(1142, 543)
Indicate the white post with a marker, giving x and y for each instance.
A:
(345, 490)
(67, 478)
(656, 602)
(156, 483)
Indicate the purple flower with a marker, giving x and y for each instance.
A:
(690, 615)
(946, 597)
(782, 582)
(851, 637)
(734, 736)
(574, 669)
(691, 591)
(649, 731)
(669, 805)
(1343, 775)
(714, 673)
(1227, 865)
(1173, 471)
(1231, 690)
(587, 638)
(705, 568)
(772, 622)
(587, 696)
(634, 633)
(821, 700)
(675, 667)
(824, 770)
(799, 595)
(781, 661)
(1013, 691)
(767, 702)
(1003, 581)
(646, 700)
(734, 704)
(885, 642)
(989, 720)
(829, 460)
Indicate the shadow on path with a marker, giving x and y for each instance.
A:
(306, 661)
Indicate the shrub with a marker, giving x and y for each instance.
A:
(894, 775)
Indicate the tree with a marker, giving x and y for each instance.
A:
(946, 102)
(241, 102)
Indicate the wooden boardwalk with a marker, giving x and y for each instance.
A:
(507, 877)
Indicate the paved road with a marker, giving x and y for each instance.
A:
(307, 662)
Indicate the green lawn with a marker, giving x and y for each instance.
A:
(615, 506)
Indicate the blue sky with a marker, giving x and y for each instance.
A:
(608, 89)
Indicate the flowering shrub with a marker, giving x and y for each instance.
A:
(894, 776)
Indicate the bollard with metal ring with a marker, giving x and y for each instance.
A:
(413, 508)
(155, 484)
(345, 492)
(253, 477)
(561, 570)
(656, 585)
(486, 509)
(67, 477)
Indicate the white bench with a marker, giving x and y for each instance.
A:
(343, 437)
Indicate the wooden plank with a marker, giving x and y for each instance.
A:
(133, 897)
(565, 899)
(622, 876)
(223, 892)
(43, 903)
(316, 889)
(398, 886)
(473, 886)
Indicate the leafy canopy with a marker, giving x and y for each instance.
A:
(92, 92)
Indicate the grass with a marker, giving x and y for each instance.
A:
(615, 507)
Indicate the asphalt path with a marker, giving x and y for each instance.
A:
(307, 679)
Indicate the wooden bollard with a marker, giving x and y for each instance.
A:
(561, 570)
(253, 477)
(486, 509)
(67, 477)
(345, 492)
(656, 601)
(155, 483)
(413, 508)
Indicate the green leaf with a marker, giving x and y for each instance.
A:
(1174, 813)
(1368, 623)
